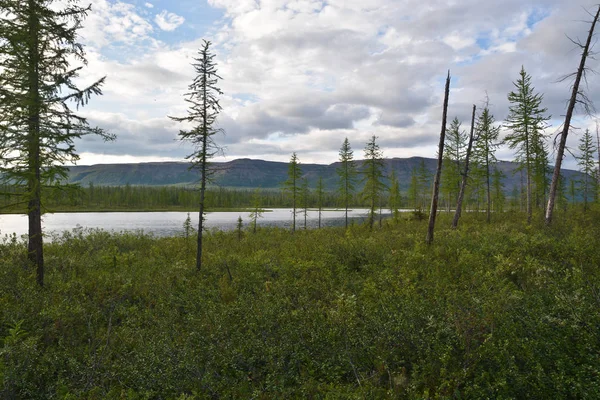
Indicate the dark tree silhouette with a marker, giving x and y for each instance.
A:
(203, 111)
(40, 61)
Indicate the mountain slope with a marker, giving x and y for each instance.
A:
(246, 173)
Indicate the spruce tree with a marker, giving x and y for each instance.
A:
(40, 61)
(484, 153)
(292, 185)
(587, 166)
(527, 119)
(203, 111)
(347, 173)
(454, 153)
(257, 210)
(372, 171)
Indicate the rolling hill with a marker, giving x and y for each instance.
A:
(247, 173)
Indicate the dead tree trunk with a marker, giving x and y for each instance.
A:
(565, 132)
(463, 184)
(438, 174)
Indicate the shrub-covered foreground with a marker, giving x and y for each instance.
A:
(489, 311)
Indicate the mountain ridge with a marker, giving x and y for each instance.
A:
(255, 173)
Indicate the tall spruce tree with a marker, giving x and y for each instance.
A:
(372, 171)
(292, 185)
(40, 61)
(527, 120)
(347, 173)
(484, 153)
(454, 154)
(204, 108)
(587, 166)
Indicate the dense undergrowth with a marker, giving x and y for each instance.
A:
(503, 310)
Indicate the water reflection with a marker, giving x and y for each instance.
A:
(171, 223)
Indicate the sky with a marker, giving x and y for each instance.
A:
(302, 75)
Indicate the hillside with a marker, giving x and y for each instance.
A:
(246, 173)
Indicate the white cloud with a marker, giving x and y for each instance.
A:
(304, 74)
(168, 21)
(114, 24)
(149, 5)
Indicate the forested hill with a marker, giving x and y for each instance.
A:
(246, 173)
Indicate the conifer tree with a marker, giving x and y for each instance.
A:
(394, 196)
(454, 153)
(304, 199)
(423, 182)
(257, 210)
(40, 61)
(413, 189)
(320, 195)
(578, 96)
(498, 190)
(347, 173)
(372, 172)
(484, 152)
(292, 185)
(202, 113)
(527, 119)
(587, 166)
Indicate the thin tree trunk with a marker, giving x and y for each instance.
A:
(346, 194)
(35, 245)
(294, 201)
(488, 194)
(438, 173)
(567, 125)
(598, 168)
(463, 185)
(203, 169)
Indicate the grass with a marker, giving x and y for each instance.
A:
(503, 310)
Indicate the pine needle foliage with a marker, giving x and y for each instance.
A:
(587, 166)
(527, 120)
(40, 61)
(484, 153)
(204, 108)
(373, 175)
(292, 185)
(347, 173)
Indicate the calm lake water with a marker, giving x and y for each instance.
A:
(170, 223)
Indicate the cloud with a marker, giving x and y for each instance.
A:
(168, 21)
(111, 24)
(149, 5)
(301, 75)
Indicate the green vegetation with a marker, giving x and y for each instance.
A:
(504, 310)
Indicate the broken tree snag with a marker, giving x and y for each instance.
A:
(463, 184)
(438, 173)
(567, 125)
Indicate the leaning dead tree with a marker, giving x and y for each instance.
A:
(577, 96)
(438, 173)
(465, 175)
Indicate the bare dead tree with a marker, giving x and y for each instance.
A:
(577, 97)
(465, 175)
(438, 174)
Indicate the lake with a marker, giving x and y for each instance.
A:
(171, 223)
